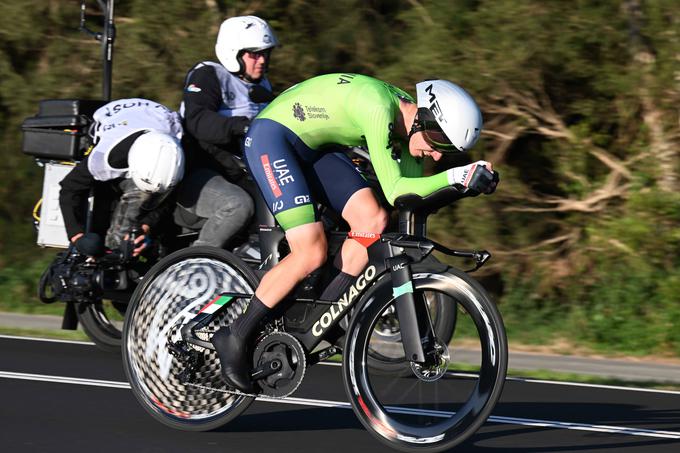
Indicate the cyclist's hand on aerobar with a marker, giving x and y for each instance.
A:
(475, 178)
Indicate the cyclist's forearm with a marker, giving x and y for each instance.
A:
(422, 186)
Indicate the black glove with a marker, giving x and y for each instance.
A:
(240, 125)
(484, 181)
(474, 178)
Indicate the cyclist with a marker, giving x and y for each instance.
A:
(285, 154)
(138, 155)
(219, 101)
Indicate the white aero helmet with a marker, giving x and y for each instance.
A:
(447, 115)
(156, 162)
(241, 33)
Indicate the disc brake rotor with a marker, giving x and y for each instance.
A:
(431, 373)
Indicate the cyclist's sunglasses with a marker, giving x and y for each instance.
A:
(432, 132)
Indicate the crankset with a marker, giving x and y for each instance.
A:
(280, 362)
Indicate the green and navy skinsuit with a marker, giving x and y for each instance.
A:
(288, 146)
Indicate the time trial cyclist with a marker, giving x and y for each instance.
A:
(285, 153)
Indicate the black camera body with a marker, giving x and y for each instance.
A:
(74, 277)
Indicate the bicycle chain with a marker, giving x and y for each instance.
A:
(235, 392)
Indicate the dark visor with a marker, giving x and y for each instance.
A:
(432, 132)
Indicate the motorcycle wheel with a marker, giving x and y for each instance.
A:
(102, 322)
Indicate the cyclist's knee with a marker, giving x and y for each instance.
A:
(313, 254)
(373, 221)
(317, 257)
(308, 246)
(380, 221)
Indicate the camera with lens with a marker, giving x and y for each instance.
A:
(86, 272)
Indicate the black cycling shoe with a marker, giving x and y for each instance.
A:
(234, 360)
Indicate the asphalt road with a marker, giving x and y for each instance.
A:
(71, 397)
(641, 370)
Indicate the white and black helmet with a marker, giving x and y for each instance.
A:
(156, 162)
(240, 34)
(447, 115)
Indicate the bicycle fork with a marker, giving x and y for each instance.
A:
(413, 315)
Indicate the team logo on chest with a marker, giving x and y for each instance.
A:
(298, 111)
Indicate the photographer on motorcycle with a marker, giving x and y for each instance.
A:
(219, 101)
(138, 155)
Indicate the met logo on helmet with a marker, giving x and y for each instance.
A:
(434, 105)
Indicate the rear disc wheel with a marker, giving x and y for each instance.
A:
(171, 294)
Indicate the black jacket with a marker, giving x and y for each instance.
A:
(210, 139)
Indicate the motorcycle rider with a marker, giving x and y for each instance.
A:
(219, 101)
(286, 154)
(138, 155)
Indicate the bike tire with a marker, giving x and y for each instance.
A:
(171, 293)
(409, 414)
(104, 332)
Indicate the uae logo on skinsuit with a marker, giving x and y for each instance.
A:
(269, 174)
(298, 111)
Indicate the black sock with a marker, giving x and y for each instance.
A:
(337, 286)
(245, 324)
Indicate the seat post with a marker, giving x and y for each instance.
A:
(405, 221)
(413, 222)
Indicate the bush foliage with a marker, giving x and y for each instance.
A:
(581, 119)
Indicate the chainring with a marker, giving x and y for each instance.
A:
(287, 350)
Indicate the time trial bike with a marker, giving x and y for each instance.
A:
(174, 371)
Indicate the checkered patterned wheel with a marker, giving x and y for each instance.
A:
(172, 293)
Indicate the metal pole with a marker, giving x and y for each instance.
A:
(107, 47)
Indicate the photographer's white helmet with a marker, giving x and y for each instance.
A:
(447, 115)
(241, 33)
(156, 162)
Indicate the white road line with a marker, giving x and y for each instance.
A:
(337, 364)
(600, 386)
(344, 405)
(48, 340)
(64, 380)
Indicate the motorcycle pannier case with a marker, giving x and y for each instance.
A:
(59, 130)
